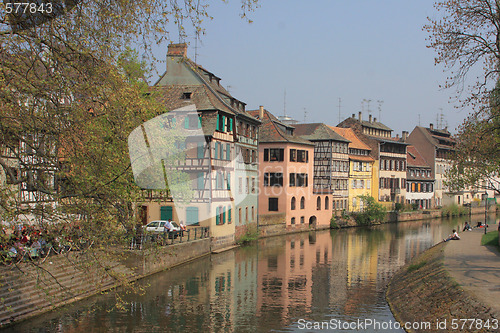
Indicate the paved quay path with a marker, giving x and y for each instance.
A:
(475, 267)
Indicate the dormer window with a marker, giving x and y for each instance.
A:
(186, 95)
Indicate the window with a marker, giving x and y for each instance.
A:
(253, 184)
(318, 203)
(291, 177)
(186, 95)
(293, 220)
(301, 180)
(302, 156)
(247, 187)
(326, 203)
(276, 154)
(240, 185)
(302, 220)
(292, 204)
(293, 155)
(273, 179)
(302, 203)
(273, 204)
(221, 121)
(253, 213)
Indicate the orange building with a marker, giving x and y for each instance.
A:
(286, 169)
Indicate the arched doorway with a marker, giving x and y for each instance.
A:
(312, 221)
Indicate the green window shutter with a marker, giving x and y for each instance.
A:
(217, 216)
(217, 125)
(228, 151)
(192, 215)
(223, 215)
(199, 121)
(230, 124)
(229, 215)
(228, 181)
(201, 181)
(166, 212)
(223, 129)
(221, 151)
(216, 150)
(186, 122)
(201, 148)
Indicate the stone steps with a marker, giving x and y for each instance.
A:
(34, 289)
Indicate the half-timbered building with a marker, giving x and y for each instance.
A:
(331, 162)
(360, 169)
(220, 145)
(389, 154)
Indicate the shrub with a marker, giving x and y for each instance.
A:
(333, 223)
(373, 211)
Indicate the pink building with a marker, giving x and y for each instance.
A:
(286, 169)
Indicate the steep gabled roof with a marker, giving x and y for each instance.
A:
(414, 158)
(438, 138)
(349, 134)
(318, 132)
(271, 130)
(211, 95)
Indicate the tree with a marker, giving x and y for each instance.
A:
(70, 93)
(467, 36)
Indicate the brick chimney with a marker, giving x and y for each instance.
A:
(353, 115)
(261, 112)
(359, 116)
(431, 126)
(177, 50)
(405, 136)
(374, 120)
(370, 118)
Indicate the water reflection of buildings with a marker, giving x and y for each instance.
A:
(233, 291)
(285, 274)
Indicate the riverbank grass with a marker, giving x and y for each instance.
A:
(491, 239)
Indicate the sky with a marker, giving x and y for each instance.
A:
(301, 57)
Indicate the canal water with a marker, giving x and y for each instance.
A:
(332, 280)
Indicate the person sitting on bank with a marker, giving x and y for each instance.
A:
(467, 227)
(453, 236)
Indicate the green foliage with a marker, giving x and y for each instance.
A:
(373, 212)
(414, 267)
(249, 237)
(333, 223)
(398, 206)
(454, 210)
(490, 239)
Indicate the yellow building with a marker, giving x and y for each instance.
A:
(362, 180)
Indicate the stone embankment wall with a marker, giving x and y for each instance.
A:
(423, 292)
(32, 288)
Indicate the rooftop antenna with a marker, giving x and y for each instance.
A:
(380, 102)
(305, 115)
(363, 105)
(368, 105)
(340, 100)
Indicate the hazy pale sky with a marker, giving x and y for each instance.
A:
(323, 50)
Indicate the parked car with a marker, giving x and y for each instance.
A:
(159, 226)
